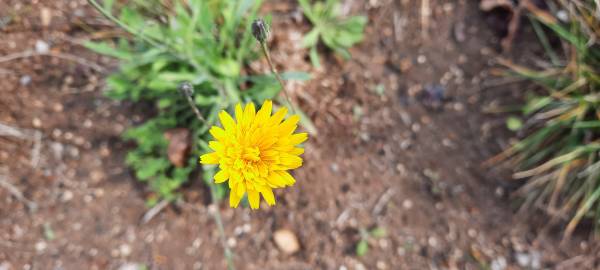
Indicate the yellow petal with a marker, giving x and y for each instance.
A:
(218, 133)
(278, 116)
(265, 111)
(249, 113)
(267, 193)
(291, 161)
(210, 158)
(221, 176)
(227, 121)
(298, 138)
(288, 178)
(240, 189)
(275, 179)
(234, 200)
(289, 125)
(253, 199)
(239, 115)
(297, 151)
(217, 146)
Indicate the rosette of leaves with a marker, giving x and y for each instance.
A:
(330, 27)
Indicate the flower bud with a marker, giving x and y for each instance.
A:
(260, 30)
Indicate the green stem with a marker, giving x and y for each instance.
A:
(265, 51)
(217, 217)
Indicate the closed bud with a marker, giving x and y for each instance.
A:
(260, 30)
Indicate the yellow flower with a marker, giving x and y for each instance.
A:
(255, 152)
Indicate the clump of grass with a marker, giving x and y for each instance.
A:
(336, 32)
(559, 155)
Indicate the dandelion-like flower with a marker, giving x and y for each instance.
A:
(255, 152)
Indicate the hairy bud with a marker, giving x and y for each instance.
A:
(186, 88)
(260, 30)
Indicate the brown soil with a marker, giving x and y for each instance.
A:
(402, 159)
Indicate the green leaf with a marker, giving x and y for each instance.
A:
(105, 49)
(380, 89)
(151, 167)
(108, 5)
(227, 67)
(362, 248)
(314, 57)
(534, 104)
(48, 232)
(132, 18)
(587, 124)
(311, 39)
(378, 232)
(118, 86)
(295, 75)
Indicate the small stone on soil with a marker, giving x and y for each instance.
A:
(66, 196)
(41, 46)
(286, 241)
(125, 250)
(36, 122)
(25, 80)
(40, 246)
(407, 204)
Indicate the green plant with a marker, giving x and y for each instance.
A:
(362, 247)
(336, 32)
(206, 43)
(559, 155)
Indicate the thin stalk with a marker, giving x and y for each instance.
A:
(216, 214)
(265, 51)
(187, 89)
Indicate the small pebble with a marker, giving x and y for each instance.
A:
(286, 241)
(36, 122)
(40, 246)
(66, 196)
(407, 204)
(415, 127)
(41, 46)
(405, 144)
(125, 250)
(432, 241)
(25, 80)
(231, 242)
(57, 107)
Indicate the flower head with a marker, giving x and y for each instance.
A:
(255, 151)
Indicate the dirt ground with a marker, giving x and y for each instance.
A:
(401, 140)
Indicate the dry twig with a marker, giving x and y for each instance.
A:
(65, 56)
(15, 191)
(33, 135)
